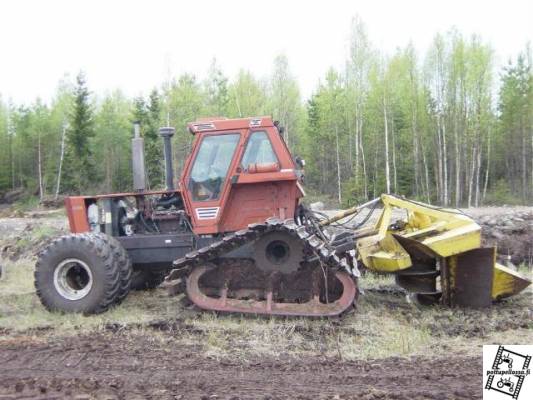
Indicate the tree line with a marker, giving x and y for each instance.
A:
(443, 127)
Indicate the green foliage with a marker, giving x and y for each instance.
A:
(501, 193)
(79, 165)
(246, 96)
(149, 117)
(515, 130)
(111, 144)
(216, 91)
(421, 125)
(5, 148)
(283, 101)
(27, 203)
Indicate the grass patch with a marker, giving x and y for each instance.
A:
(27, 203)
(21, 310)
(29, 241)
(384, 324)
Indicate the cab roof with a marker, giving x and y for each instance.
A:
(224, 124)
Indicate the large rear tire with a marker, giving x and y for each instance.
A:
(121, 257)
(78, 273)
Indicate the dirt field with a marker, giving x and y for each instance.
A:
(152, 347)
(135, 366)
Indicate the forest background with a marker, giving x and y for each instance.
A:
(446, 127)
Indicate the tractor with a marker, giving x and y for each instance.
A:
(234, 235)
(507, 383)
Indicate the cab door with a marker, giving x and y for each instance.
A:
(265, 182)
(205, 181)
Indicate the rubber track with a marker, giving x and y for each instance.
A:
(312, 242)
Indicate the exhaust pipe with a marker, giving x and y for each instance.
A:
(167, 133)
(137, 158)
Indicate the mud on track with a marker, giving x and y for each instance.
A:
(137, 366)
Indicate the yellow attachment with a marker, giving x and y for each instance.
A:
(507, 282)
(439, 234)
(445, 232)
(385, 255)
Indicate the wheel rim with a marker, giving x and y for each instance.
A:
(73, 279)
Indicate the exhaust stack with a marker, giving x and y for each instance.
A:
(137, 158)
(167, 133)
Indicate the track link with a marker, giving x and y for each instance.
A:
(199, 262)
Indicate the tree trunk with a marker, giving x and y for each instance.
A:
(338, 165)
(10, 135)
(376, 172)
(287, 133)
(108, 177)
(524, 167)
(238, 104)
(478, 172)
(394, 173)
(414, 127)
(387, 168)
(11, 161)
(356, 147)
(445, 165)
(350, 145)
(361, 148)
(488, 168)
(61, 156)
(426, 174)
(457, 163)
(471, 177)
(438, 170)
(416, 156)
(40, 166)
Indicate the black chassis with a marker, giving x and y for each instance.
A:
(158, 251)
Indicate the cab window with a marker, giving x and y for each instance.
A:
(211, 166)
(258, 151)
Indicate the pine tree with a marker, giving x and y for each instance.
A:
(153, 143)
(79, 164)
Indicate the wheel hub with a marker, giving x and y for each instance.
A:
(278, 252)
(73, 279)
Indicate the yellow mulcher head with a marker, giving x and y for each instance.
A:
(436, 254)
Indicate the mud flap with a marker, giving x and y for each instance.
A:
(470, 278)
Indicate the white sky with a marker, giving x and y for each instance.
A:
(132, 44)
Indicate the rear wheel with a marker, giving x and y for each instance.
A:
(123, 260)
(78, 273)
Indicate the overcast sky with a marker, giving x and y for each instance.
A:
(132, 44)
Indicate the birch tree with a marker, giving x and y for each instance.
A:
(284, 99)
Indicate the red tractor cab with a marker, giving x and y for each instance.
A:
(239, 172)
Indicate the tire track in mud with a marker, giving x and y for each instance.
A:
(107, 366)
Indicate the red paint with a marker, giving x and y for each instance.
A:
(266, 190)
(247, 196)
(77, 214)
(262, 168)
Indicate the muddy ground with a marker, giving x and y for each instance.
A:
(387, 349)
(125, 366)
(152, 347)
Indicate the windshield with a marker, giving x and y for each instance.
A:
(211, 166)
